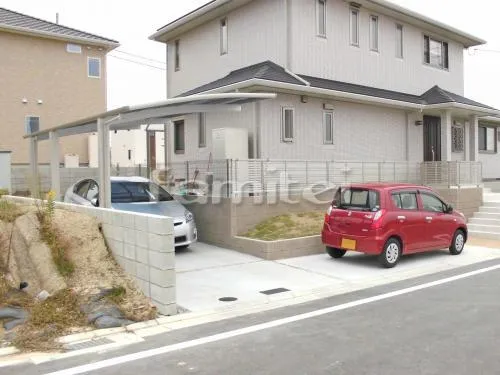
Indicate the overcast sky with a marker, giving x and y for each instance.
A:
(131, 23)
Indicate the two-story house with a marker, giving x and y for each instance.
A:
(364, 80)
(49, 74)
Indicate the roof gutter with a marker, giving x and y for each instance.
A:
(318, 91)
(46, 34)
(467, 107)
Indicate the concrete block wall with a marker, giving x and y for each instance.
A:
(143, 245)
(465, 200)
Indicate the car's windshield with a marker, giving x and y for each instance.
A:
(358, 199)
(129, 192)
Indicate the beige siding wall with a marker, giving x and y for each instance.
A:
(335, 58)
(361, 132)
(256, 33)
(35, 68)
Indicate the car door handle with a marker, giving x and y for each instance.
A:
(428, 218)
(401, 217)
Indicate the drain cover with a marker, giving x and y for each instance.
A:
(274, 291)
(228, 299)
(89, 344)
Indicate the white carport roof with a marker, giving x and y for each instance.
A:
(129, 117)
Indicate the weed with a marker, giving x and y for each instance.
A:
(9, 212)
(116, 294)
(3, 192)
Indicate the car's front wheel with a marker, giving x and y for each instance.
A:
(458, 243)
(334, 252)
(391, 254)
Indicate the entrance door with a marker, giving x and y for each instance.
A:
(152, 150)
(432, 138)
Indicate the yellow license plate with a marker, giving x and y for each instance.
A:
(348, 244)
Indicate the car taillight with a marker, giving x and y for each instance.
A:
(377, 219)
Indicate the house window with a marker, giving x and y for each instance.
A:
(179, 147)
(328, 128)
(73, 48)
(287, 118)
(374, 33)
(435, 52)
(399, 41)
(321, 17)
(177, 55)
(487, 139)
(354, 24)
(31, 124)
(94, 67)
(223, 37)
(202, 131)
(129, 154)
(457, 139)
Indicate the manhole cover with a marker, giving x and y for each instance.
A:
(274, 291)
(228, 299)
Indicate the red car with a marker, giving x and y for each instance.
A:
(390, 220)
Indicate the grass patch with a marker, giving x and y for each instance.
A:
(9, 212)
(48, 320)
(288, 226)
(116, 294)
(3, 192)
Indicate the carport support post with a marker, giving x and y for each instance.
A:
(35, 183)
(55, 177)
(104, 164)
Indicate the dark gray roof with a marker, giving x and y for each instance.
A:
(436, 95)
(362, 90)
(11, 19)
(270, 71)
(266, 70)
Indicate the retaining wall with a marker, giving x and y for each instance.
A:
(143, 245)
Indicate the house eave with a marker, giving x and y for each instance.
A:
(207, 12)
(471, 108)
(55, 36)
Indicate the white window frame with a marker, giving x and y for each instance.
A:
(27, 122)
(73, 48)
(89, 58)
(321, 4)
(202, 130)
(374, 37)
(284, 138)
(177, 55)
(351, 20)
(325, 127)
(224, 35)
(494, 131)
(400, 43)
(445, 58)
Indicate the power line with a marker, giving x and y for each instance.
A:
(137, 62)
(140, 57)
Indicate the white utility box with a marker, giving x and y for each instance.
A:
(231, 144)
(71, 161)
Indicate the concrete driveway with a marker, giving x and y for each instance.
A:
(206, 273)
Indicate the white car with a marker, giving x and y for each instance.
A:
(138, 194)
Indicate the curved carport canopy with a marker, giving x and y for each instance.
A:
(125, 118)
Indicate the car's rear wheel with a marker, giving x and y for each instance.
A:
(458, 243)
(334, 252)
(391, 254)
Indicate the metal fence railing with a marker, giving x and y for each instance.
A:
(254, 176)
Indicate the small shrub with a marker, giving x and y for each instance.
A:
(9, 212)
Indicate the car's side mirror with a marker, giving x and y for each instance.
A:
(449, 209)
(95, 202)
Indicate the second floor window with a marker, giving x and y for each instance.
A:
(374, 33)
(354, 25)
(435, 52)
(177, 55)
(94, 67)
(223, 37)
(287, 117)
(321, 17)
(399, 41)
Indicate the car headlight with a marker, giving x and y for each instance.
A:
(189, 216)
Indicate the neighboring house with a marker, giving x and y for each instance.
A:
(365, 80)
(49, 75)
